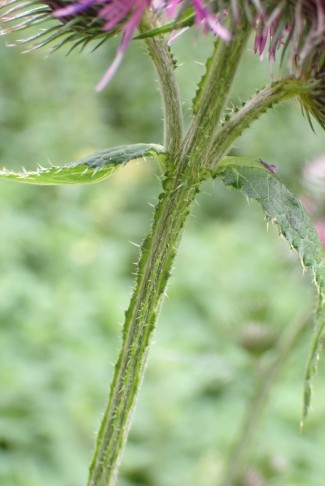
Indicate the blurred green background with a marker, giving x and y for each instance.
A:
(67, 265)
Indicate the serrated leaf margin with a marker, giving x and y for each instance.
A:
(93, 168)
(237, 172)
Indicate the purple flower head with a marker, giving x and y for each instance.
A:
(297, 26)
(84, 20)
(125, 16)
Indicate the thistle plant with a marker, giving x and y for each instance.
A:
(289, 32)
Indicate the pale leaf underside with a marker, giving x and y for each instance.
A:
(281, 207)
(90, 169)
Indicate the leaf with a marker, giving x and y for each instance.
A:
(90, 169)
(258, 181)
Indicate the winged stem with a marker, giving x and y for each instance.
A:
(157, 256)
(188, 166)
(214, 91)
(158, 251)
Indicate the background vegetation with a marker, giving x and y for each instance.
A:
(67, 271)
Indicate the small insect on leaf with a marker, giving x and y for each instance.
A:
(271, 167)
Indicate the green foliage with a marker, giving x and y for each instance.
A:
(66, 271)
(281, 207)
(90, 169)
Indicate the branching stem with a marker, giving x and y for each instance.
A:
(189, 160)
(251, 111)
(215, 90)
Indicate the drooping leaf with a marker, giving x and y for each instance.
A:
(259, 181)
(90, 169)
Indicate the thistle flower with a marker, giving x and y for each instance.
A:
(299, 26)
(85, 20)
(295, 25)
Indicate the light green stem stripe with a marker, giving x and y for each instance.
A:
(252, 110)
(215, 90)
(158, 253)
(162, 59)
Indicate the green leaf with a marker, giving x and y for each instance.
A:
(90, 169)
(258, 181)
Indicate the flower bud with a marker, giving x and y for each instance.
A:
(256, 339)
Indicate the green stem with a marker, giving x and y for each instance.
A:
(253, 109)
(157, 255)
(256, 406)
(163, 61)
(316, 348)
(158, 251)
(215, 89)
